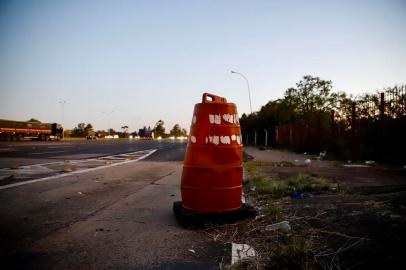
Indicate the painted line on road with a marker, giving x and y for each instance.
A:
(77, 172)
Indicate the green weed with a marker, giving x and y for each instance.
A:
(278, 188)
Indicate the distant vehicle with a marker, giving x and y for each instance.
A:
(146, 134)
(91, 137)
(115, 136)
(19, 130)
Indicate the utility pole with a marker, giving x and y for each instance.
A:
(108, 119)
(63, 117)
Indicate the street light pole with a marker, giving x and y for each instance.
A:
(108, 118)
(63, 117)
(249, 97)
(248, 86)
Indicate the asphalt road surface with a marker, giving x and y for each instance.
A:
(33, 152)
(109, 208)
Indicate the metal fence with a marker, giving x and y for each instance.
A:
(371, 127)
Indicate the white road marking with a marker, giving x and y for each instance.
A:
(78, 172)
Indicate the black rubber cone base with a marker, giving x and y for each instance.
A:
(190, 218)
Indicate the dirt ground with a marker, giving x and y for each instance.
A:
(359, 225)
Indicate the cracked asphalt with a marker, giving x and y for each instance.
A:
(111, 218)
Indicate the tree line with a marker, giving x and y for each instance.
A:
(312, 103)
(83, 130)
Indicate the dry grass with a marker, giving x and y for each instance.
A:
(300, 248)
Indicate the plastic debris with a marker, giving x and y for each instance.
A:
(80, 193)
(253, 188)
(296, 160)
(323, 154)
(355, 166)
(243, 200)
(259, 217)
(192, 250)
(240, 252)
(283, 226)
(307, 161)
(369, 162)
(299, 195)
(305, 153)
(296, 195)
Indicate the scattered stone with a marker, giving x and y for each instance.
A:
(283, 226)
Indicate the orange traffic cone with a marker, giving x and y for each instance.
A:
(211, 183)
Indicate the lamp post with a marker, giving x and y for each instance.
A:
(249, 97)
(248, 86)
(63, 117)
(108, 118)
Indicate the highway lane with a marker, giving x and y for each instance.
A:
(115, 217)
(14, 154)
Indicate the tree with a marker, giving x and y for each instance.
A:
(82, 130)
(88, 127)
(312, 94)
(34, 120)
(159, 129)
(124, 133)
(111, 131)
(177, 131)
(124, 128)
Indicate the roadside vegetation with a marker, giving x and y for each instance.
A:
(82, 130)
(313, 117)
(321, 224)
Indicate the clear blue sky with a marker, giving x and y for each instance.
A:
(151, 60)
